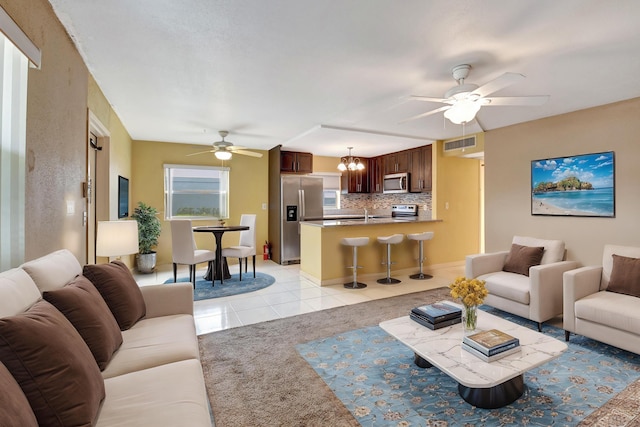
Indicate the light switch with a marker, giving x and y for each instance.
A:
(264, 206)
(71, 207)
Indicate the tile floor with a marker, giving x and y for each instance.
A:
(290, 295)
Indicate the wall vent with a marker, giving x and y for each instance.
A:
(459, 144)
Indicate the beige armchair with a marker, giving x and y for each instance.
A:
(538, 296)
(596, 306)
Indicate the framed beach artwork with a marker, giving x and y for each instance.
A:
(582, 185)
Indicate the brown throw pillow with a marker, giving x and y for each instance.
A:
(520, 258)
(120, 291)
(82, 305)
(625, 276)
(52, 365)
(16, 411)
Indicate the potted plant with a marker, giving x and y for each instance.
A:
(148, 233)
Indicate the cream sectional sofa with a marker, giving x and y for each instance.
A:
(592, 309)
(155, 377)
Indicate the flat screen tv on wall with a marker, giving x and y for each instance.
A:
(123, 197)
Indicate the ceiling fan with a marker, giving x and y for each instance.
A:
(465, 100)
(223, 149)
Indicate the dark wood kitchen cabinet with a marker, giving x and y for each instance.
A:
(396, 162)
(356, 181)
(296, 162)
(376, 174)
(420, 169)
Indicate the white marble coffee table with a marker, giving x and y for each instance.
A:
(482, 384)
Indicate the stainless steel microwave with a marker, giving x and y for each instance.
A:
(396, 183)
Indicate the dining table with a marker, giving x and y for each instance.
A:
(221, 270)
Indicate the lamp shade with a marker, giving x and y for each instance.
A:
(117, 238)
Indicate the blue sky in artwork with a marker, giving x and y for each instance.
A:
(594, 168)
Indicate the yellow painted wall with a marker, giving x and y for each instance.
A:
(247, 181)
(456, 201)
(325, 164)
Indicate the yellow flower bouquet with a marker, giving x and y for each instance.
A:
(471, 292)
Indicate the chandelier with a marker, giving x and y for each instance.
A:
(350, 163)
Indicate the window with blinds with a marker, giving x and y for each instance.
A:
(196, 192)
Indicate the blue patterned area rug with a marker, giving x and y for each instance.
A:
(374, 376)
(233, 286)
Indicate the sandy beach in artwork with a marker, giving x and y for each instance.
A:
(543, 208)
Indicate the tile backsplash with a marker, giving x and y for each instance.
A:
(384, 201)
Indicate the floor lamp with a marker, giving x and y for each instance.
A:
(117, 238)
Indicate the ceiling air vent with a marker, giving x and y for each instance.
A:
(459, 144)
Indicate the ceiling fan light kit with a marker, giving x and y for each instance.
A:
(224, 149)
(463, 111)
(465, 100)
(223, 154)
(350, 163)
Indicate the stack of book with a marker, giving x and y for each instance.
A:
(491, 345)
(437, 315)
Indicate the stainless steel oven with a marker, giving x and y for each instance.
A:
(396, 183)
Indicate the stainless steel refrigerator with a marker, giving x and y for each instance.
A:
(301, 200)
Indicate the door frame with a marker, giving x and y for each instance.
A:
(97, 169)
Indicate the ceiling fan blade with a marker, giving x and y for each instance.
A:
(201, 152)
(429, 99)
(518, 100)
(247, 153)
(428, 113)
(507, 79)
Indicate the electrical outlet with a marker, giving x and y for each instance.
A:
(446, 205)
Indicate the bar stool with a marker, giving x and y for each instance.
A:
(355, 242)
(389, 240)
(421, 237)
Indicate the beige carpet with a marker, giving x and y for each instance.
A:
(255, 376)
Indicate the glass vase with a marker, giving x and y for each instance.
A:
(469, 318)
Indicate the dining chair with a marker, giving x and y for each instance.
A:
(246, 246)
(185, 251)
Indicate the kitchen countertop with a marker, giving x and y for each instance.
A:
(354, 216)
(359, 220)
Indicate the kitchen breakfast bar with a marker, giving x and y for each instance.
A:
(325, 261)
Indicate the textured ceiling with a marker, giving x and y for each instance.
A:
(323, 75)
